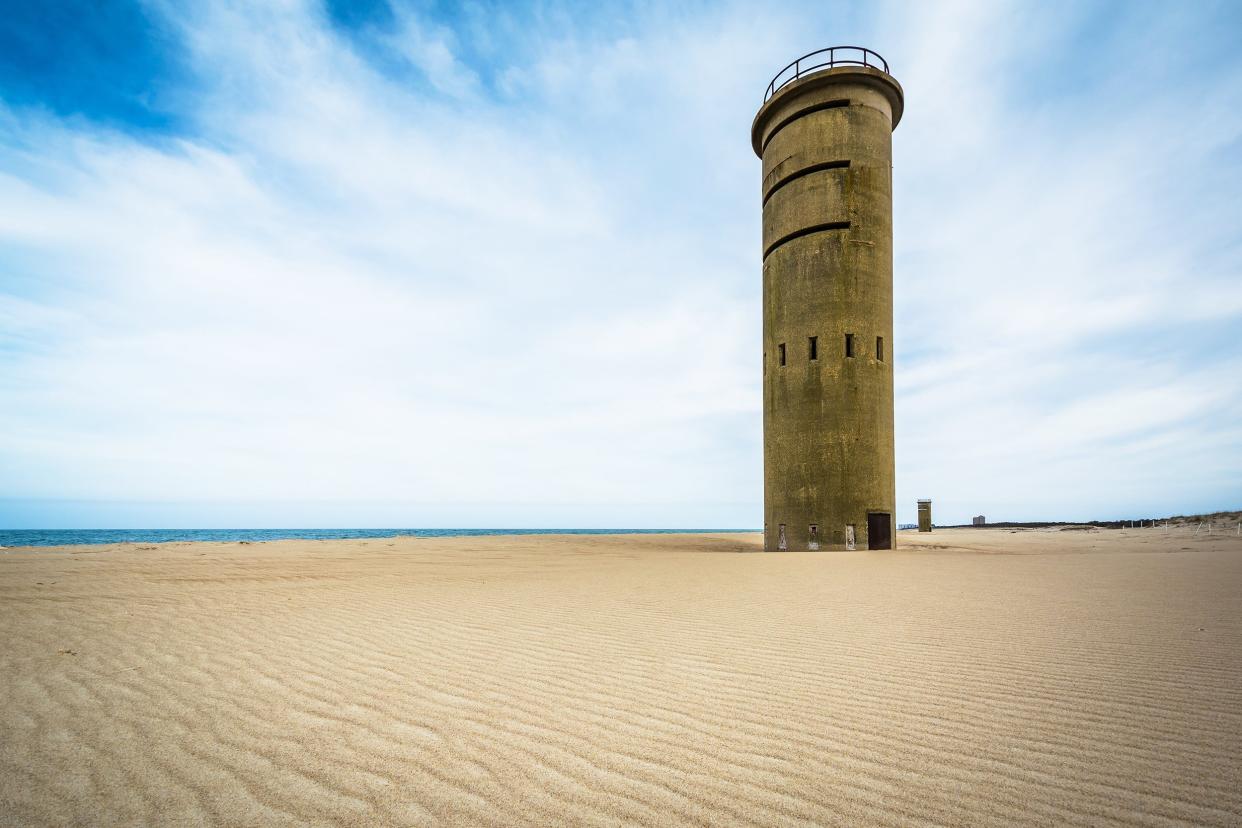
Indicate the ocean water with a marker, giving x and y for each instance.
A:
(67, 537)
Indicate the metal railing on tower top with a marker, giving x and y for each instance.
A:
(825, 59)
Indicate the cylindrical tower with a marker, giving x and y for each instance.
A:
(824, 134)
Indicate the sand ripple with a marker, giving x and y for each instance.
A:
(1093, 679)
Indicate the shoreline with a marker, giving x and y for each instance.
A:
(162, 536)
(1066, 538)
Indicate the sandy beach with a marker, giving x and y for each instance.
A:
(969, 677)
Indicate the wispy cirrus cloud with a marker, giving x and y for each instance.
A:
(503, 268)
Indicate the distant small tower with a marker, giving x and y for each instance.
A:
(824, 134)
(925, 523)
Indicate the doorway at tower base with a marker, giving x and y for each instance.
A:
(879, 530)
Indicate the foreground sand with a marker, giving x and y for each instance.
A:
(971, 677)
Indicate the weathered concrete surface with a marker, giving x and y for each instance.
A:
(826, 145)
(925, 521)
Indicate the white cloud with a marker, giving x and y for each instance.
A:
(349, 286)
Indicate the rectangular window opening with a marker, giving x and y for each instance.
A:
(781, 349)
(879, 348)
(849, 345)
(814, 347)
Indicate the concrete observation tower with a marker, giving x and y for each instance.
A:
(824, 134)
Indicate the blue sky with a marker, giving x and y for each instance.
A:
(408, 264)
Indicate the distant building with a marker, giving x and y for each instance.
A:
(925, 524)
(979, 520)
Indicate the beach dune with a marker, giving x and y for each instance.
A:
(968, 677)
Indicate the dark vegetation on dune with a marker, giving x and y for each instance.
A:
(1227, 518)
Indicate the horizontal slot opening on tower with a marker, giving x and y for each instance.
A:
(807, 110)
(806, 231)
(814, 168)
